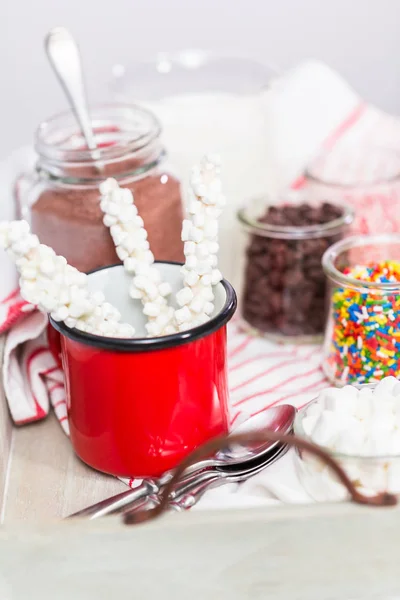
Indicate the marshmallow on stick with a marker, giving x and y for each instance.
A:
(130, 239)
(200, 235)
(50, 283)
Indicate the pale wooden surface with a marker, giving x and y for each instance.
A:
(40, 477)
(319, 552)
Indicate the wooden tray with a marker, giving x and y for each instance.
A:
(320, 552)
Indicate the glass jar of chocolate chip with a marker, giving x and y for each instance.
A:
(60, 197)
(284, 294)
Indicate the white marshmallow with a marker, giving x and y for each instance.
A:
(206, 280)
(29, 272)
(135, 293)
(186, 230)
(197, 304)
(189, 248)
(191, 262)
(326, 428)
(151, 309)
(76, 310)
(213, 261)
(185, 325)
(182, 315)
(199, 220)
(153, 329)
(169, 330)
(70, 322)
(386, 386)
(351, 438)
(108, 186)
(125, 330)
(208, 308)
(204, 268)
(196, 234)
(109, 220)
(60, 314)
(121, 253)
(191, 278)
(202, 251)
(113, 209)
(216, 276)
(151, 290)
(184, 296)
(364, 405)
(164, 288)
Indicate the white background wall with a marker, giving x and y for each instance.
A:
(360, 38)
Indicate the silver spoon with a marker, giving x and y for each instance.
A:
(189, 496)
(190, 489)
(278, 419)
(64, 56)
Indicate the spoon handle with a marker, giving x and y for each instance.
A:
(64, 56)
(119, 501)
(195, 492)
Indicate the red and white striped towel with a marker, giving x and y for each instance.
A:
(261, 374)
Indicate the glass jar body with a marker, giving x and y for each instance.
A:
(61, 200)
(362, 335)
(284, 287)
(369, 181)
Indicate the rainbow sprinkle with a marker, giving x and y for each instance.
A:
(364, 345)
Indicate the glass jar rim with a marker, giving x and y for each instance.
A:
(313, 177)
(349, 243)
(191, 62)
(299, 430)
(100, 113)
(254, 226)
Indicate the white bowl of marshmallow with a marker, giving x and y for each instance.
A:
(360, 428)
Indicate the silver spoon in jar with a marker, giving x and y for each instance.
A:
(278, 419)
(64, 56)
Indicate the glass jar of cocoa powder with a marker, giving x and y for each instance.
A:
(61, 199)
(284, 293)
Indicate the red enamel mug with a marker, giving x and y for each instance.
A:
(137, 407)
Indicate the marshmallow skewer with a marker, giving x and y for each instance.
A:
(50, 283)
(200, 237)
(133, 249)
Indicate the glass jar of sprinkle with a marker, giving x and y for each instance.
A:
(362, 336)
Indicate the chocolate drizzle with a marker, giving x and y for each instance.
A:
(381, 499)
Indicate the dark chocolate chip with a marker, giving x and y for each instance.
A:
(285, 288)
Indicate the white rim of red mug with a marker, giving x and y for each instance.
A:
(153, 343)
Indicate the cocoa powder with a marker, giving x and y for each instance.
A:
(69, 219)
